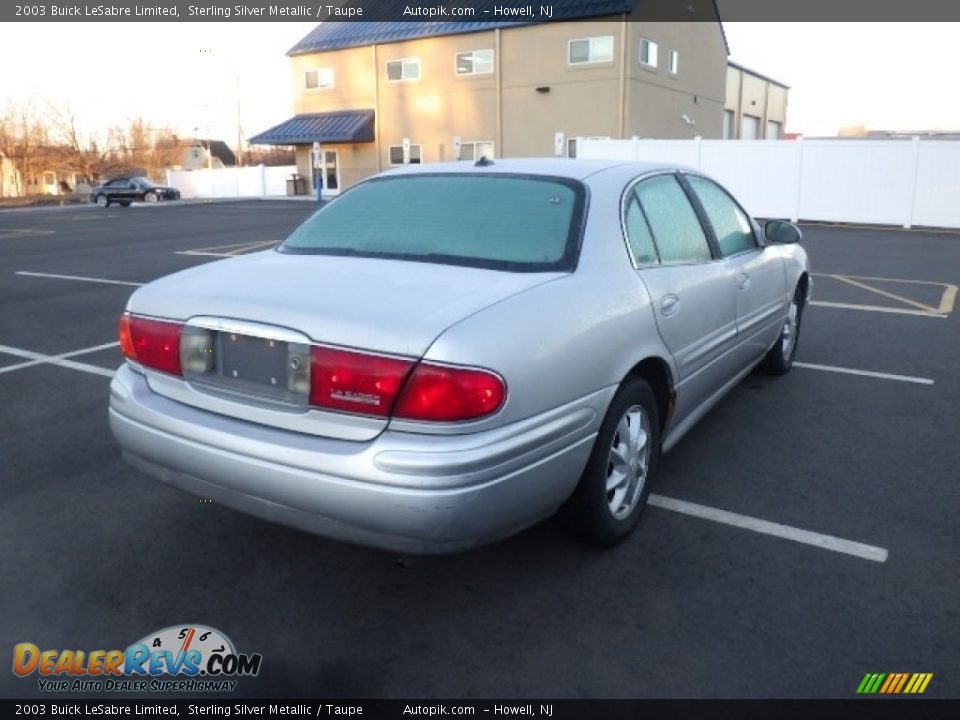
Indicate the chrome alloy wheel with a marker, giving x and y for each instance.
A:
(790, 329)
(628, 462)
(102, 201)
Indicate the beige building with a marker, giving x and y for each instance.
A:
(432, 92)
(756, 106)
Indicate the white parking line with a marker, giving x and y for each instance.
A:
(876, 308)
(77, 277)
(786, 532)
(865, 373)
(58, 360)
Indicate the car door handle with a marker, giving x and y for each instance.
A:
(743, 281)
(669, 304)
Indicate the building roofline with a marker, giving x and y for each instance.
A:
(745, 69)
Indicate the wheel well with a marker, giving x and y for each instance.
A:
(657, 373)
(804, 284)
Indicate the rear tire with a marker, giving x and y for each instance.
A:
(779, 359)
(150, 197)
(615, 485)
(102, 201)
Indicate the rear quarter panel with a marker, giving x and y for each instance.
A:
(568, 338)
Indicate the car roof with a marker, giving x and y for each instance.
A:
(576, 169)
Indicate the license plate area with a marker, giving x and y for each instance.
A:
(272, 371)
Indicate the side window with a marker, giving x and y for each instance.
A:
(676, 228)
(733, 229)
(638, 235)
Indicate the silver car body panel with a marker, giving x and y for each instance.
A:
(562, 342)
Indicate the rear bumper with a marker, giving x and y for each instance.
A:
(401, 491)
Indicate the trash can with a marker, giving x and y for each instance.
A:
(295, 185)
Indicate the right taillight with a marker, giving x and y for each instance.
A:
(376, 385)
(355, 382)
(440, 393)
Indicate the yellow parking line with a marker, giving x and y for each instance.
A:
(884, 293)
(946, 302)
(20, 233)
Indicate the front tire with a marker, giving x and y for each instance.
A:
(779, 359)
(102, 201)
(615, 485)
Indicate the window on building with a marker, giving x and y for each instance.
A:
(648, 52)
(728, 121)
(673, 61)
(773, 130)
(571, 147)
(396, 155)
(405, 69)
(475, 62)
(320, 79)
(590, 50)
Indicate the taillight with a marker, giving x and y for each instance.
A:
(152, 343)
(450, 394)
(355, 382)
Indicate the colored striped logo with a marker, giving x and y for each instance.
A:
(894, 683)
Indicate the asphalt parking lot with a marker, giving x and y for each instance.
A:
(803, 534)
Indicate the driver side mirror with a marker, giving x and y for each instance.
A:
(782, 232)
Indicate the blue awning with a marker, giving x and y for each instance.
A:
(345, 126)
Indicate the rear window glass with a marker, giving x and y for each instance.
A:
(506, 222)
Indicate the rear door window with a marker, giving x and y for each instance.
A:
(676, 230)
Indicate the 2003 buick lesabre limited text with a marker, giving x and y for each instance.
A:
(446, 354)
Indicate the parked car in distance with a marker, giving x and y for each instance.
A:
(446, 354)
(125, 190)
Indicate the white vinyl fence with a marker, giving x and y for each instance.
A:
(884, 182)
(232, 182)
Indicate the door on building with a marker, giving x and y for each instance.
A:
(750, 128)
(326, 170)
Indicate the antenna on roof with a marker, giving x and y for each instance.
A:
(484, 161)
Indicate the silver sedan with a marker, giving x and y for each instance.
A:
(447, 354)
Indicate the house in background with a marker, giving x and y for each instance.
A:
(756, 105)
(11, 184)
(48, 174)
(376, 95)
(200, 154)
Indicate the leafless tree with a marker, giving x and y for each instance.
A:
(22, 134)
(90, 154)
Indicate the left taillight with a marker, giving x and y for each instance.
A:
(152, 343)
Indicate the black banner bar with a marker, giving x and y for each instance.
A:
(854, 709)
(519, 11)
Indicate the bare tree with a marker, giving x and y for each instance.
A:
(22, 134)
(90, 154)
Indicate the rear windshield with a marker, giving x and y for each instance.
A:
(505, 222)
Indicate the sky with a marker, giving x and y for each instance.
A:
(890, 76)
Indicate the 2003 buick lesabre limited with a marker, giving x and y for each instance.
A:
(447, 354)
